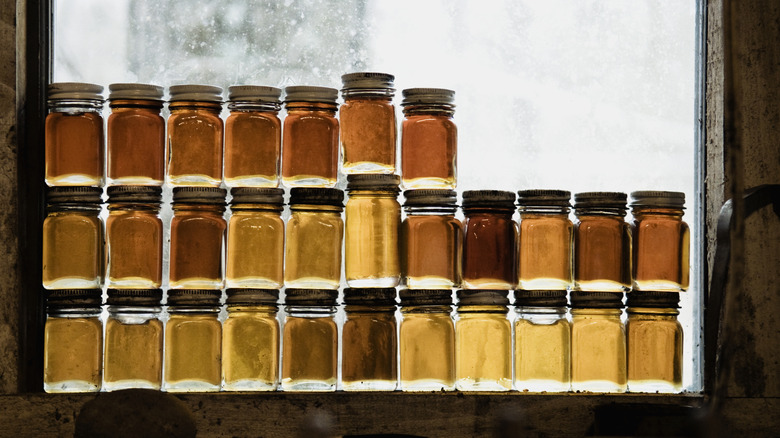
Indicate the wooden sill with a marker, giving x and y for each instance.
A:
(366, 413)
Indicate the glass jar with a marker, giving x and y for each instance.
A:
(483, 341)
(431, 239)
(489, 243)
(195, 136)
(197, 238)
(310, 155)
(73, 239)
(545, 240)
(368, 340)
(253, 137)
(315, 233)
(134, 235)
(255, 242)
(368, 126)
(598, 342)
(655, 342)
(429, 139)
(74, 135)
(427, 340)
(602, 242)
(134, 340)
(193, 341)
(250, 341)
(542, 341)
(136, 135)
(661, 241)
(73, 341)
(310, 341)
(373, 220)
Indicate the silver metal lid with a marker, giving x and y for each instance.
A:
(656, 198)
(254, 93)
(414, 96)
(135, 91)
(305, 93)
(198, 93)
(367, 80)
(75, 91)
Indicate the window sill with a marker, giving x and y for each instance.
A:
(361, 413)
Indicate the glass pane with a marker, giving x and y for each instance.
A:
(580, 95)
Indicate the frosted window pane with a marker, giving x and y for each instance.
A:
(573, 94)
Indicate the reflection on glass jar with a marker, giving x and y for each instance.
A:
(195, 133)
(74, 135)
(368, 128)
(136, 135)
(73, 341)
(73, 239)
(253, 137)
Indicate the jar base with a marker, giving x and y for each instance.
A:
(308, 385)
(600, 286)
(427, 385)
(249, 385)
(67, 386)
(373, 282)
(369, 385)
(597, 386)
(134, 181)
(542, 385)
(193, 180)
(655, 386)
(312, 283)
(429, 282)
(361, 167)
(74, 179)
(252, 283)
(190, 386)
(132, 283)
(487, 283)
(544, 284)
(658, 286)
(490, 385)
(73, 283)
(118, 385)
(252, 181)
(309, 181)
(196, 283)
(428, 183)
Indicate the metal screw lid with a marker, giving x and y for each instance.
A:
(199, 195)
(197, 93)
(488, 198)
(305, 93)
(480, 297)
(383, 296)
(64, 298)
(597, 300)
(655, 198)
(653, 299)
(254, 93)
(540, 298)
(134, 297)
(553, 198)
(81, 195)
(75, 91)
(257, 195)
(433, 197)
(311, 297)
(425, 297)
(414, 96)
(142, 194)
(373, 181)
(615, 200)
(252, 296)
(317, 196)
(135, 92)
(194, 297)
(367, 80)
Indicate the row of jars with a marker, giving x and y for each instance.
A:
(478, 348)
(254, 142)
(428, 249)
